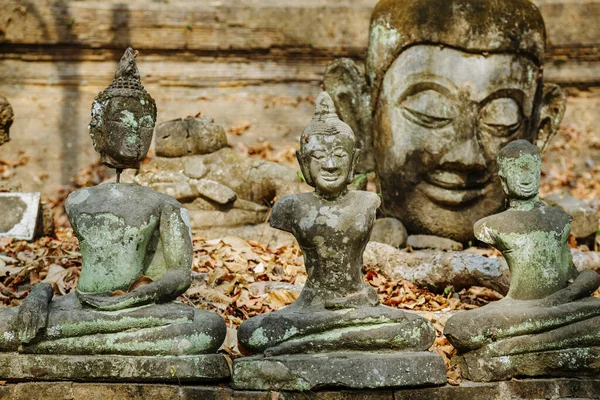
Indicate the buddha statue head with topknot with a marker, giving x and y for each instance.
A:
(327, 154)
(447, 84)
(123, 118)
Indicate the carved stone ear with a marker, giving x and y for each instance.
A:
(551, 114)
(304, 168)
(347, 86)
(355, 160)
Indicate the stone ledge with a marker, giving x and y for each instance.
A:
(480, 366)
(515, 389)
(305, 372)
(196, 368)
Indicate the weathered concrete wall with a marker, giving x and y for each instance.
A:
(252, 61)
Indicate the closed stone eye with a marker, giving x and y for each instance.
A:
(429, 108)
(501, 117)
(428, 121)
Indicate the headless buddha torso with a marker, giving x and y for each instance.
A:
(535, 246)
(121, 230)
(333, 237)
(118, 244)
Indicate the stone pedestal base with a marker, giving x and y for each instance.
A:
(344, 370)
(197, 368)
(479, 367)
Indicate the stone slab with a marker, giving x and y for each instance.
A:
(304, 372)
(515, 389)
(45, 367)
(20, 215)
(576, 362)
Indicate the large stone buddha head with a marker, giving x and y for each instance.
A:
(123, 118)
(448, 84)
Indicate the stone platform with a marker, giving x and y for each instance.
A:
(515, 389)
(305, 372)
(577, 362)
(196, 368)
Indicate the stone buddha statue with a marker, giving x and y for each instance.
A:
(548, 323)
(136, 251)
(337, 310)
(447, 85)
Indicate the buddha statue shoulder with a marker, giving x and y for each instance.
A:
(136, 248)
(548, 312)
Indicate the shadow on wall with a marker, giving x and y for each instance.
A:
(69, 75)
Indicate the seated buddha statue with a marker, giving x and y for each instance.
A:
(337, 310)
(136, 248)
(548, 323)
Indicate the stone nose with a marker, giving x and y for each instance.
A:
(466, 153)
(329, 163)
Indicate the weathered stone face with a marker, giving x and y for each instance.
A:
(441, 118)
(124, 137)
(123, 117)
(521, 177)
(330, 162)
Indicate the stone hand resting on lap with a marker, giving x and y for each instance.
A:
(136, 251)
(548, 307)
(336, 310)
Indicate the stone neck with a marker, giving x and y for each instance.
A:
(524, 204)
(331, 196)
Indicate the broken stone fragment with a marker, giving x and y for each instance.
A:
(389, 231)
(433, 242)
(585, 218)
(215, 191)
(189, 136)
(21, 216)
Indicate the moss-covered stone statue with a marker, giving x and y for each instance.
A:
(137, 255)
(447, 85)
(6, 120)
(547, 324)
(335, 333)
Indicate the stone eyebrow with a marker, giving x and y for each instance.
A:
(512, 93)
(430, 84)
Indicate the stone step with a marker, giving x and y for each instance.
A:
(515, 389)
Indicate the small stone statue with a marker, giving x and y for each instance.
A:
(547, 324)
(337, 311)
(6, 120)
(447, 84)
(136, 248)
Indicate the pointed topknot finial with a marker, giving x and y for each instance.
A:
(127, 67)
(127, 80)
(324, 108)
